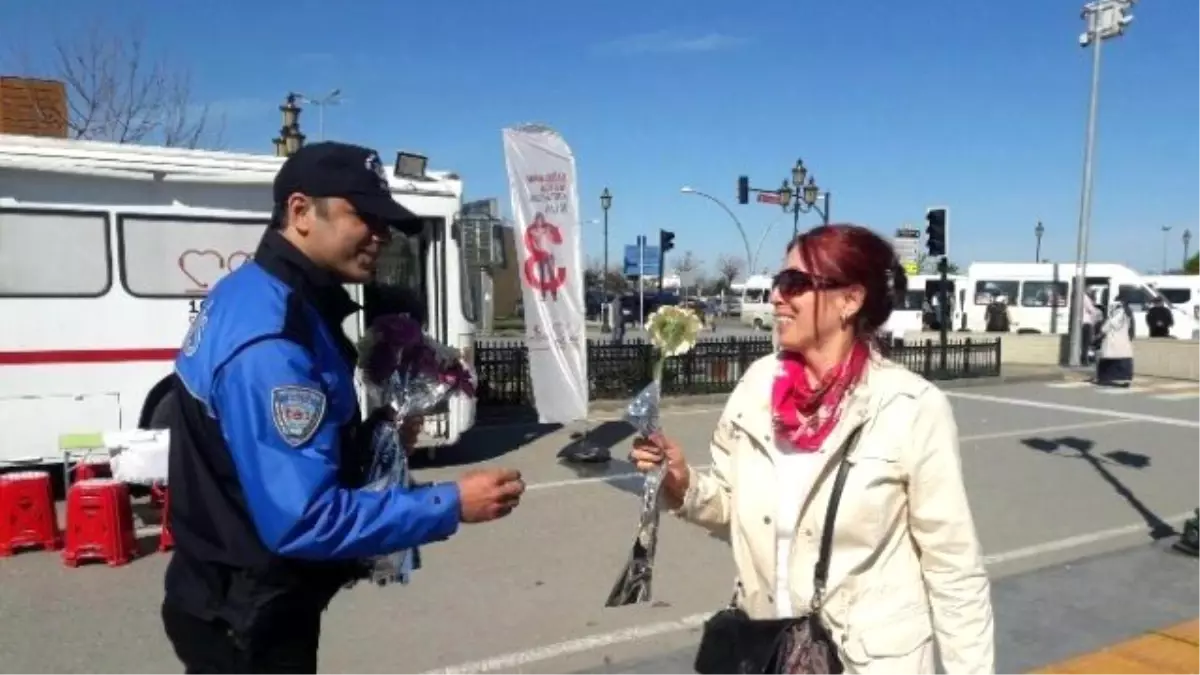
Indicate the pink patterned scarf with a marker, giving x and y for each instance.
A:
(804, 416)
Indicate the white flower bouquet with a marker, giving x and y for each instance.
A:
(672, 332)
(409, 373)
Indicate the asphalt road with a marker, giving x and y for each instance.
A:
(1056, 477)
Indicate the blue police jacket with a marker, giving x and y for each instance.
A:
(267, 451)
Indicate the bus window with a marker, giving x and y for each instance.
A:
(1176, 296)
(914, 300)
(1135, 296)
(755, 296)
(1040, 294)
(54, 254)
(176, 256)
(987, 291)
(399, 284)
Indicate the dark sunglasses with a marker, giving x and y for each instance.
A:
(791, 282)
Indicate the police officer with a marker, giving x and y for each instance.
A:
(268, 456)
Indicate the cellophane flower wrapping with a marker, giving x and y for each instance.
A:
(672, 331)
(402, 368)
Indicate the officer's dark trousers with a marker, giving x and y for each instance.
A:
(288, 645)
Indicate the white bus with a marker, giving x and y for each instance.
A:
(909, 315)
(107, 251)
(1182, 291)
(1039, 295)
(756, 302)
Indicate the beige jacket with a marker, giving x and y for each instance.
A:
(906, 565)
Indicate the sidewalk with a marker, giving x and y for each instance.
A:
(1077, 616)
(1175, 649)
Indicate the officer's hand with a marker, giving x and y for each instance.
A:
(488, 494)
(410, 431)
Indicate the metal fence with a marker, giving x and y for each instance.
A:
(618, 371)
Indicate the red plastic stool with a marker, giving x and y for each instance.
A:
(27, 515)
(90, 470)
(99, 523)
(165, 540)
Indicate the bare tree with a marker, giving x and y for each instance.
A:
(729, 267)
(686, 267)
(118, 92)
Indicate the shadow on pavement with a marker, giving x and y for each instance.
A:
(1159, 529)
(480, 444)
(612, 436)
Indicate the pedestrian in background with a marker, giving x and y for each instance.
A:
(1114, 362)
(830, 449)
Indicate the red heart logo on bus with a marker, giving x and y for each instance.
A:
(202, 267)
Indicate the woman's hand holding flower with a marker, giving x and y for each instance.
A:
(649, 454)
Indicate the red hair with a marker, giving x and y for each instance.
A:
(853, 255)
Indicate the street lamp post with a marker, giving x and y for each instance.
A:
(605, 203)
(1166, 230)
(1187, 240)
(805, 196)
(290, 139)
(745, 240)
(1106, 19)
(1038, 232)
(332, 98)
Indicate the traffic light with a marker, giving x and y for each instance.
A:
(743, 195)
(935, 234)
(666, 240)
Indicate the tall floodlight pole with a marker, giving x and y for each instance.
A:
(1166, 230)
(1105, 19)
(332, 98)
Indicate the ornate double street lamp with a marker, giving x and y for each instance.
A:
(290, 139)
(605, 204)
(1038, 232)
(801, 196)
(1187, 244)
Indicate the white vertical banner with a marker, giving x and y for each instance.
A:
(545, 205)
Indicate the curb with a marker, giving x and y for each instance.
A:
(709, 399)
(700, 400)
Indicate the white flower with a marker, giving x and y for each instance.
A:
(673, 330)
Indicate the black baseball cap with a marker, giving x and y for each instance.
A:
(352, 172)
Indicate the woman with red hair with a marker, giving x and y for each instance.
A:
(828, 432)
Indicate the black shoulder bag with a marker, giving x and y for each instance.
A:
(734, 643)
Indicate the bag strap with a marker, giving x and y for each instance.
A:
(821, 572)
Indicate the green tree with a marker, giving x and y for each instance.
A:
(928, 265)
(1192, 266)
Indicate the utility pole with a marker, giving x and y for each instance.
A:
(1106, 19)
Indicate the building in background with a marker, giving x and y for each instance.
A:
(506, 284)
(33, 107)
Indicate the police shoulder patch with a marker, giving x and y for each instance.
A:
(297, 412)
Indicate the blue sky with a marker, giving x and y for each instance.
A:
(895, 106)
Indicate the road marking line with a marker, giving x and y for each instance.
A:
(1069, 385)
(1177, 397)
(1178, 385)
(1044, 405)
(1119, 391)
(1076, 541)
(516, 661)
(630, 475)
(610, 416)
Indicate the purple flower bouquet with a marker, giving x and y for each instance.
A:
(403, 369)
